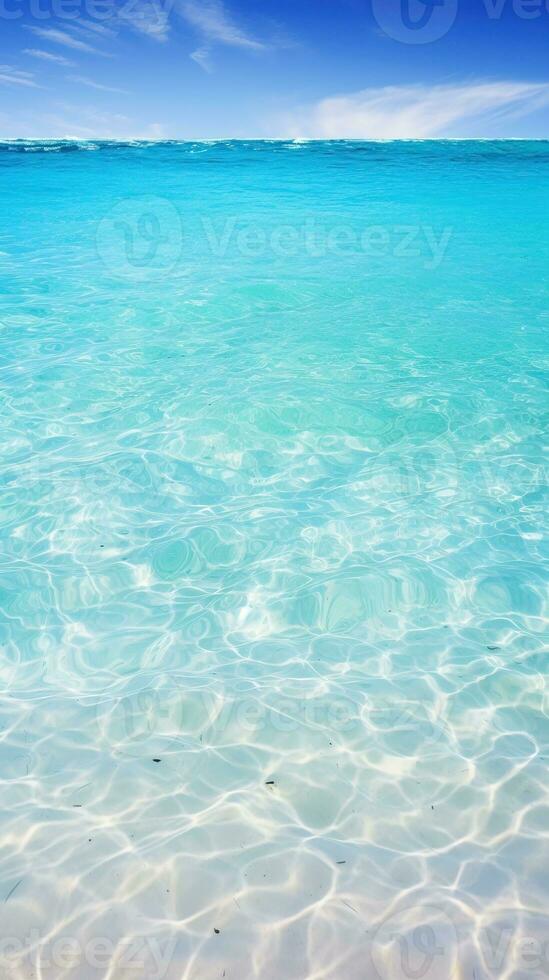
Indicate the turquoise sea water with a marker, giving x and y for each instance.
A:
(273, 513)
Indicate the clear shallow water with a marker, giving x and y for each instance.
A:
(272, 512)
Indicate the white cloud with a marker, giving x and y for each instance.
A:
(202, 58)
(67, 121)
(13, 76)
(89, 82)
(214, 22)
(82, 26)
(61, 37)
(57, 59)
(413, 111)
(151, 18)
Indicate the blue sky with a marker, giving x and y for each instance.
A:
(274, 68)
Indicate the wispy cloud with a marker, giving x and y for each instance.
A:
(83, 26)
(413, 111)
(89, 82)
(55, 36)
(151, 18)
(13, 76)
(56, 59)
(214, 22)
(65, 121)
(202, 58)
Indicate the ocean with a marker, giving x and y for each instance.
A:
(273, 582)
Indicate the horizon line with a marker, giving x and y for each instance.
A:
(275, 139)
